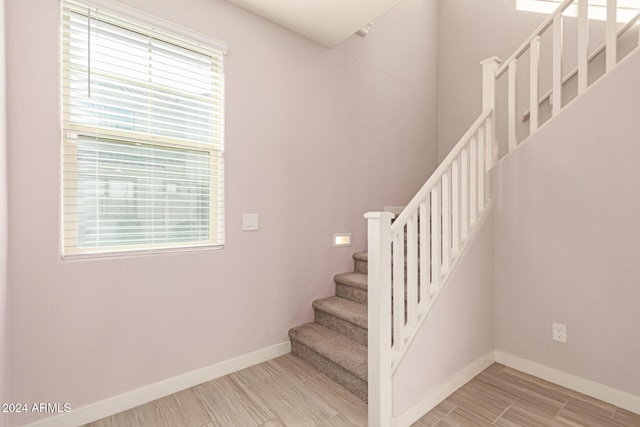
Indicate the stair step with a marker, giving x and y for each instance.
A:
(352, 286)
(343, 316)
(341, 359)
(361, 262)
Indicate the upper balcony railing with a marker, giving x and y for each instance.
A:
(531, 47)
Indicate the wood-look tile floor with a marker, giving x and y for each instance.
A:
(285, 391)
(501, 396)
(289, 392)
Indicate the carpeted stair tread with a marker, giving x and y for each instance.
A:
(337, 348)
(361, 262)
(361, 256)
(344, 309)
(355, 280)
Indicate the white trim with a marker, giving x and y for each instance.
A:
(131, 12)
(146, 394)
(597, 9)
(596, 390)
(441, 392)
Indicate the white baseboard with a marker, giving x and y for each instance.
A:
(131, 399)
(596, 390)
(441, 392)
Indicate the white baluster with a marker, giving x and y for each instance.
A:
(481, 172)
(455, 206)
(473, 181)
(379, 322)
(489, 68)
(612, 36)
(583, 45)
(412, 270)
(513, 70)
(398, 290)
(435, 240)
(464, 192)
(425, 254)
(488, 155)
(446, 220)
(558, 35)
(534, 54)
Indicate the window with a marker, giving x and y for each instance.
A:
(142, 136)
(627, 9)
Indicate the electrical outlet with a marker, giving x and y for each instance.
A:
(559, 333)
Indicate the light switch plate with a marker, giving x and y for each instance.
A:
(250, 222)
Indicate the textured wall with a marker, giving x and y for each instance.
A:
(566, 230)
(315, 138)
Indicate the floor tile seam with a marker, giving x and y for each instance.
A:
(613, 413)
(560, 411)
(446, 415)
(503, 412)
(533, 391)
(523, 400)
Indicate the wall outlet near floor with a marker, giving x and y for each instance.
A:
(559, 333)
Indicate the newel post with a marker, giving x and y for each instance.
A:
(489, 69)
(379, 310)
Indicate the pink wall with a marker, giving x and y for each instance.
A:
(566, 230)
(4, 328)
(458, 330)
(315, 138)
(469, 32)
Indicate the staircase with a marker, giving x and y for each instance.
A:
(336, 343)
(362, 333)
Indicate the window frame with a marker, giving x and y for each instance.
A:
(597, 8)
(153, 28)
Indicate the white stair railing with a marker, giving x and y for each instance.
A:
(531, 46)
(437, 223)
(411, 259)
(602, 48)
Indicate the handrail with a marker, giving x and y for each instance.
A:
(456, 194)
(541, 29)
(623, 30)
(408, 270)
(414, 204)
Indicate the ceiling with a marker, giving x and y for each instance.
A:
(327, 22)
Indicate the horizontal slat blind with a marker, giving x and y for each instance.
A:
(142, 136)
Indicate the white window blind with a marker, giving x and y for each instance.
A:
(143, 128)
(627, 9)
